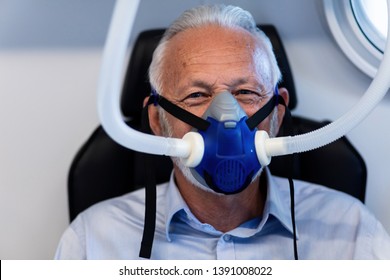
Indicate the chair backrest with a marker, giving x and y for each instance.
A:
(103, 169)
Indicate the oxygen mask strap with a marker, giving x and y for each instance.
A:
(178, 112)
(150, 197)
(264, 111)
(287, 121)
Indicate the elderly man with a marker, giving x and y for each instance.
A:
(213, 58)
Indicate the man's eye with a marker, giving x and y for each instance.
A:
(196, 99)
(245, 92)
(195, 95)
(246, 96)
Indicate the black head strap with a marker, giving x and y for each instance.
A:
(150, 196)
(264, 112)
(178, 112)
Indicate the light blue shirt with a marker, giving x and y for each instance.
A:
(330, 225)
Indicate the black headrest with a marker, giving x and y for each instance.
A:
(136, 85)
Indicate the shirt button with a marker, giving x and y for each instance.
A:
(227, 237)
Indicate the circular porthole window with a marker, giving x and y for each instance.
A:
(372, 19)
(359, 27)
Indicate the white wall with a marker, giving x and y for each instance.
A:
(50, 54)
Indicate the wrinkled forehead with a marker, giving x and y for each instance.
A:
(211, 44)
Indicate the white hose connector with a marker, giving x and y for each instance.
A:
(325, 135)
(196, 143)
(260, 137)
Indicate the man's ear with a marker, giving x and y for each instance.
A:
(283, 92)
(154, 119)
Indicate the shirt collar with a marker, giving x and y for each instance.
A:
(277, 204)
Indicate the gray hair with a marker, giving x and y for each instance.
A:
(226, 16)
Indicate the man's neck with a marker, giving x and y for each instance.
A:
(224, 212)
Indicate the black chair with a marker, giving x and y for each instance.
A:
(103, 169)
